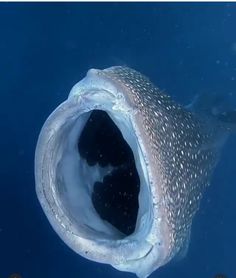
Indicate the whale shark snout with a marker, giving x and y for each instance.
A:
(120, 170)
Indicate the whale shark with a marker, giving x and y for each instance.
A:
(121, 168)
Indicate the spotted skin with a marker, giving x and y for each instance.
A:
(181, 145)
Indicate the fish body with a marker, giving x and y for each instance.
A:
(174, 150)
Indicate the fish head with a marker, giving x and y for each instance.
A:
(150, 124)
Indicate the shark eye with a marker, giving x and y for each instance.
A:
(115, 189)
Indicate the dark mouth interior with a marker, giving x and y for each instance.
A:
(116, 197)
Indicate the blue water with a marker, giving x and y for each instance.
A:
(44, 50)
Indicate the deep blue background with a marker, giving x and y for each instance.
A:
(44, 50)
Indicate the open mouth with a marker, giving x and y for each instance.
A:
(97, 177)
(91, 174)
(100, 179)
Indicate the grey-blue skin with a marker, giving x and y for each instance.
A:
(175, 152)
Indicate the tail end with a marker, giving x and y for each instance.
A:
(220, 107)
(228, 120)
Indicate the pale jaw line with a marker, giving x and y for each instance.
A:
(64, 183)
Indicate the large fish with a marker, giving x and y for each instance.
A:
(121, 168)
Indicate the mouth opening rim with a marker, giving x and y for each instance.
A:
(65, 117)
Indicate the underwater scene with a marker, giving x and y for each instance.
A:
(118, 140)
